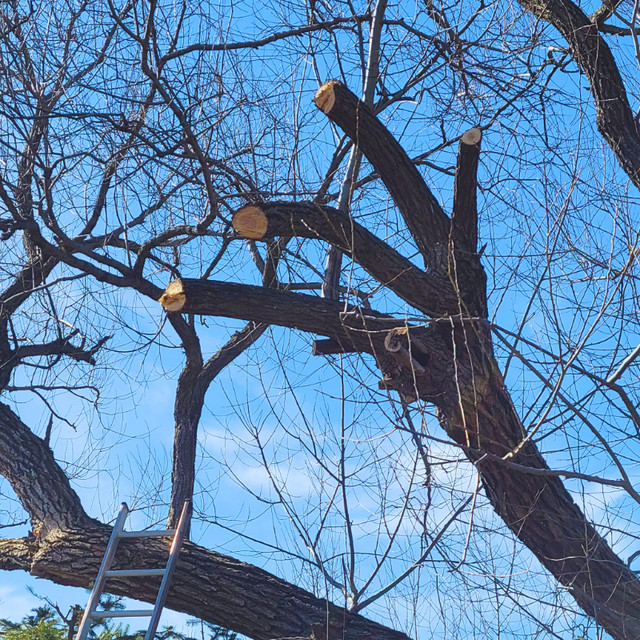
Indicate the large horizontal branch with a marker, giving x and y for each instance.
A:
(614, 116)
(422, 213)
(357, 328)
(216, 588)
(429, 292)
(208, 585)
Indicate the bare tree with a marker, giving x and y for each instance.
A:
(147, 142)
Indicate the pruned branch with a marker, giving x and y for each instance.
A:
(359, 329)
(431, 293)
(464, 216)
(423, 215)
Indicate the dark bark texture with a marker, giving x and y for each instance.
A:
(194, 380)
(589, 49)
(67, 546)
(208, 585)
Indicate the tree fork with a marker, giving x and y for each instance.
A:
(431, 293)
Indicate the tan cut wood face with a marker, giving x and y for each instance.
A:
(250, 222)
(325, 98)
(173, 298)
(472, 136)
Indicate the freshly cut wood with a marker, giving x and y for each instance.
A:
(250, 222)
(472, 136)
(173, 298)
(325, 96)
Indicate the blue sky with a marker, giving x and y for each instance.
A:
(538, 193)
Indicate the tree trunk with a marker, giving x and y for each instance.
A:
(451, 364)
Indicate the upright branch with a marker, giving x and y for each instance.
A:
(464, 215)
(193, 383)
(334, 257)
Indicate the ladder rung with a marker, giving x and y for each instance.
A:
(131, 573)
(131, 613)
(157, 533)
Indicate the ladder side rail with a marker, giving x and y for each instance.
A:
(96, 592)
(174, 552)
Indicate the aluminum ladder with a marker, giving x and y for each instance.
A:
(105, 572)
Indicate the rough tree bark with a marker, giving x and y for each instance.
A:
(449, 363)
(66, 546)
(614, 117)
(193, 383)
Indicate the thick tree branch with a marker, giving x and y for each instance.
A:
(430, 293)
(464, 216)
(40, 484)
(67, 547)
(193, 383)
(355, 327)
(207, 585)
(614, 117)
(424, 217)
